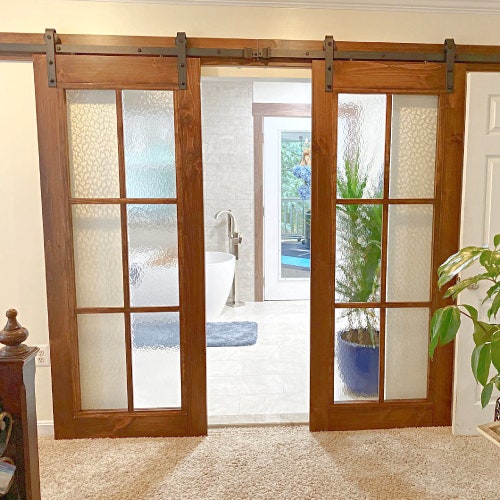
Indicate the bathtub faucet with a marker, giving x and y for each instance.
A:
(234, 241)
(232, 232)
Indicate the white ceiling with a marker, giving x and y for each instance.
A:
(451, 6)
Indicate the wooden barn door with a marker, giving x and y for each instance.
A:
(387, 166)
(122, 195)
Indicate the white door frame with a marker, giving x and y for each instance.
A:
(276, 287)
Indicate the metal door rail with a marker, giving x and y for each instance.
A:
(181, 50)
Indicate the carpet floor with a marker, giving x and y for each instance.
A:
(282, 462)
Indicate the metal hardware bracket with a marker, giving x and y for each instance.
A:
(256, 54)
(329, 46)
(450, 49)
(51, 39)
(181, 44)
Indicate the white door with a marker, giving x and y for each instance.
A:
(286, 249)
(480, 222)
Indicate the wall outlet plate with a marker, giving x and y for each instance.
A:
(43, 355)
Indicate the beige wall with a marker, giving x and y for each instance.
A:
(68, 16)
(22, 269)
(21, 243)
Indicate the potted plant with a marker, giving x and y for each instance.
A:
(359, 229)
(446, 321)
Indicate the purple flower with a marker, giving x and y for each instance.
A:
(305, 192)
(303, 172)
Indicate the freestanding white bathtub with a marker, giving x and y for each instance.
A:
(219, 274)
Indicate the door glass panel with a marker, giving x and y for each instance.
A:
(409, 251)
(98, 255)
(153, 255)
(93, 143)
(295, 204)
(361, 145)
(359, 242)
(356, 367)
(413, 146)
(149, 140)
(156, 360)
(103, 373)
(406, 353)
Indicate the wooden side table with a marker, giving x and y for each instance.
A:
(17, 393)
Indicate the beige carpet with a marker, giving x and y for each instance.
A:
(272, 463)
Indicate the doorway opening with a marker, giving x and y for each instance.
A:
(256, 197)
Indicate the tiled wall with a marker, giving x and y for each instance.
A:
(227, 130)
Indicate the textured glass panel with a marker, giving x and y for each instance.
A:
(149, 138)
(98, 255)
(295, 204)
(93, 143)
(413, 146)
(409, 252)
(360, 145)
(156, 360)
(356, 354)
(359, 242)
(153, 261)
(406, 357)
(103, 372)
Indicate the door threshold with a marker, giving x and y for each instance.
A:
(258, 420)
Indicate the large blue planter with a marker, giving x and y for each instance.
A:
(358, 365)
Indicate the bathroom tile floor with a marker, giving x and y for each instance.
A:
(266, 382)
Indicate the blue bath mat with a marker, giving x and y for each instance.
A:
(166, 334)
(233, 333)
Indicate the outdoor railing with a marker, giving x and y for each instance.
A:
(293, 218)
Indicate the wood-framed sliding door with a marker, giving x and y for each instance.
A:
(122, 199)
(386, 183)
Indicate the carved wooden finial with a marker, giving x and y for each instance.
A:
(13, 335)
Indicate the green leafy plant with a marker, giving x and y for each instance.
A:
(446, 321)
(291, 153)
(359, 235)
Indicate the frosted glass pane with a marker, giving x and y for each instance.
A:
(357, 259)
(406, 357)
(98, 255)
(361, 145)
(103, 372)
(153, 255)
(409, 253)
(93, 143)
(356, 366)
(413, 146)
(149, 138)
(156, 360)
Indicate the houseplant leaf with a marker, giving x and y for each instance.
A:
(444, 326)
(492, 290)
(486, 394)
(490, 260)
(496, 240)
(495, 349)
(434, 340)
(457, 263)
(482, 332)
(449, 324)
(454, 290)
(481, 362)
(471, 310)
(492, 311)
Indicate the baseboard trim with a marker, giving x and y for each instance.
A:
(45, 428)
